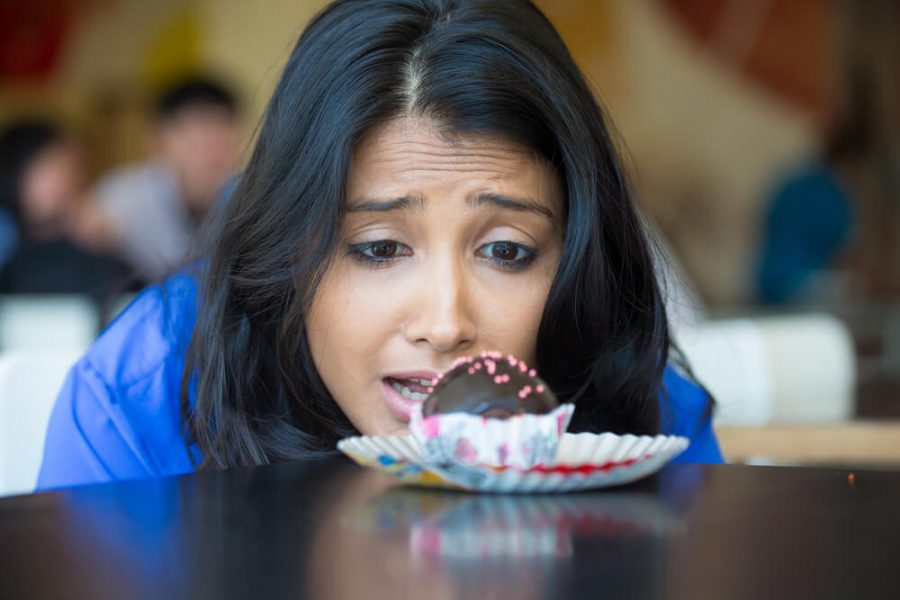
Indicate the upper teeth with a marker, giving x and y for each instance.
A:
(408, 393)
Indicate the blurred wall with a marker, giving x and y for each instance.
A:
(120, 52)
(704, 142)
(252, 39)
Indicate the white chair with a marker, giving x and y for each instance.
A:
(43, 323)
(792, 369)
(29, 384)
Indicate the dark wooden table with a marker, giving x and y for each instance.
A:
(333, 530)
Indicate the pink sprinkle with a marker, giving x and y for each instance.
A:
(512, 361)
(491, 366)
(478, 366)
(540, 389)
(522, 394)
(498, 379)
(523, 367)
(506, 377)
(471, 371)
(532, 373)
(430, 389)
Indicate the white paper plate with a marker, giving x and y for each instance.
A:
(583, 461)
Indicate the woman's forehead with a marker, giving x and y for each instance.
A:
(415, 152)
(421, 135)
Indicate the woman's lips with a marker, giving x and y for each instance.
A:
(400, 405)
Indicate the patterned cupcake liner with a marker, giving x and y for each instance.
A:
(521, 441)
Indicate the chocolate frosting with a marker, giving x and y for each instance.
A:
(490, 385)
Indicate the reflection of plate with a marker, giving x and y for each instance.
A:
(583, 461)
(475, 527)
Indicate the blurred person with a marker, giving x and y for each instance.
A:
(810, 220)
(9, 235)
(149, 212)
(52, 247)
(433, 179)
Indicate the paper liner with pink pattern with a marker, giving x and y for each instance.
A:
(521, 441)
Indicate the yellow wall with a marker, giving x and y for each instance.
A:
(125, 50)
(251, 40)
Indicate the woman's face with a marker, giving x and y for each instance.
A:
(51, 189)
(448, 248)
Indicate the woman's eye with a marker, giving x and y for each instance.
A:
(380, 251)
(508, 255)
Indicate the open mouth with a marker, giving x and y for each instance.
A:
(413, 388)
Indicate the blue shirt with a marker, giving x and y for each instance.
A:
(118, 415)
(809, 223)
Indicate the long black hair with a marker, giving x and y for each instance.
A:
(472, 66)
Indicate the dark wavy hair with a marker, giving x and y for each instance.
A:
(488, 67)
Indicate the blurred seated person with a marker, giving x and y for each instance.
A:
(50, 245)
(9, 235)
(810, 221)
(151, 211)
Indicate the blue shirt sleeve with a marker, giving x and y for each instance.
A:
(86, 442)
(118, 415)
(685, 412)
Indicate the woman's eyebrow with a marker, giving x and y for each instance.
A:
(473, 200)
(510, 203)
(379, 205)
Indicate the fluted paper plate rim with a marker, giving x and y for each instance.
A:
(583, 461)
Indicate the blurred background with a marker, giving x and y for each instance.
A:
(762, 139)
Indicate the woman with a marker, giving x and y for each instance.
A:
(433, 178)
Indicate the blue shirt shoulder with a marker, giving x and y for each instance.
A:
(685, 411)
(118, 415)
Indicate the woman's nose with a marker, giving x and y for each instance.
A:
(441, 315)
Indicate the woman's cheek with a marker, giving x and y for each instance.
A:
(510, 314)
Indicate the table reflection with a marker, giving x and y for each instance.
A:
(329, 529)
(381, 539)
(334, 530)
